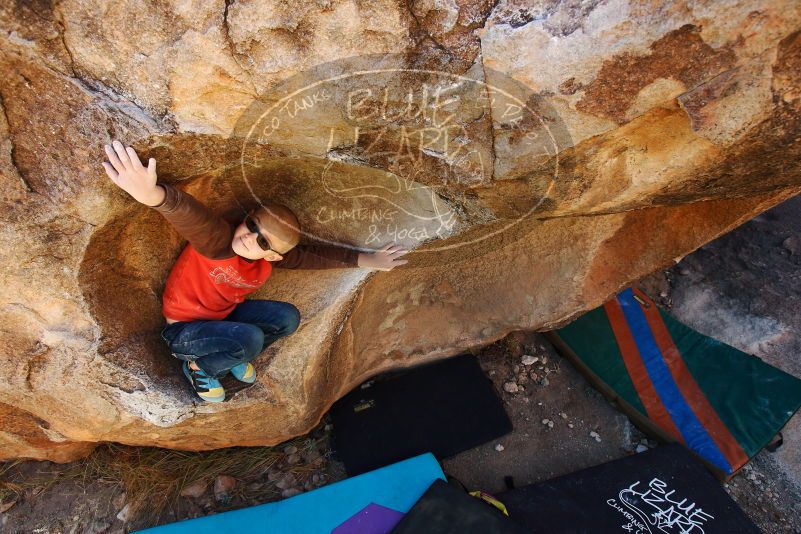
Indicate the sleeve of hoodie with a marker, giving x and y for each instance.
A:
(319, 257)
(208, 233)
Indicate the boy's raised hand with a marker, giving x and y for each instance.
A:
(125, 170)
(384, 259)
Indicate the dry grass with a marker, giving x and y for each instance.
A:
(11, 490)
(154, 478)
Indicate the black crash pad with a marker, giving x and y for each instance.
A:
(444, 509)
(662, 491)
(444, 407)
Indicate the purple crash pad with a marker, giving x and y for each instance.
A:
(372, 519)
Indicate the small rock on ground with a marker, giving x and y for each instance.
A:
(194, 490)
(223, 486)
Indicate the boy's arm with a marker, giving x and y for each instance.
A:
(318, 257)
(209, 234)
(328, 257)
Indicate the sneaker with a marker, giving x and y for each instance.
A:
(244, 372)
(207, 388)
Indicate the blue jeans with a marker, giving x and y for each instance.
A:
(217, 346)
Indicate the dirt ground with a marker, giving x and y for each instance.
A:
(744, 289)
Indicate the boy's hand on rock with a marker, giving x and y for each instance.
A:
(125, 170)
(384, 259)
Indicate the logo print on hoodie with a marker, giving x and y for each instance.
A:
(231, 277)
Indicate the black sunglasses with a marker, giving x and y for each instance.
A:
(262, 241)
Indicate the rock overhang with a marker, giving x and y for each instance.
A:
(685, 153)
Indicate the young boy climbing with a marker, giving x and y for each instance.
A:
(210, 325)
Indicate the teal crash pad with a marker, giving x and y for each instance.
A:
(397, 487)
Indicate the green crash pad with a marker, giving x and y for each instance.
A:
(723, 404)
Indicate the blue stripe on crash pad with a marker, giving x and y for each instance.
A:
(693, 432)
(398, 486)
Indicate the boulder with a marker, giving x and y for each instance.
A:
(536, 156)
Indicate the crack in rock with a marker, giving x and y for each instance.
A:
(12, 153)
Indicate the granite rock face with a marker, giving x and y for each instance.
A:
(538, 155)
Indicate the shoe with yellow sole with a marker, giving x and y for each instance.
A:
(207, 388)
(244, 372)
